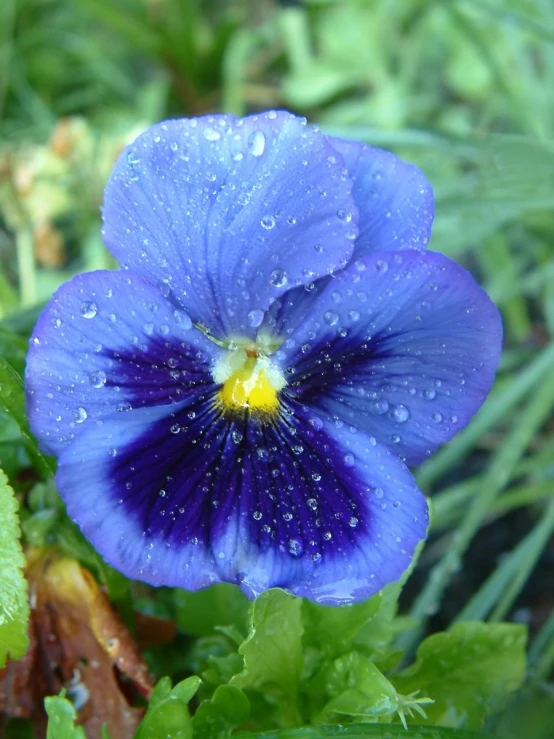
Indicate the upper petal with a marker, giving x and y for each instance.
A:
(300, 504)
(403, 345)
(230, 213)
(109, 341)
(394, 199)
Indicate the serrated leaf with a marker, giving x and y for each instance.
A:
(216, 718)
(14, 606)
(358, 689)
(61, 719)
(168, 715)
(12, 399)
(468, 671)
(360, 731)
(272, 652)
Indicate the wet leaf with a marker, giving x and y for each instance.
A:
(468, 671)
(14, 607)
(272, 651)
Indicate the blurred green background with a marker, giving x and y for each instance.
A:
(463, 88)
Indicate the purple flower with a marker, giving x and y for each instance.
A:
(239, 402)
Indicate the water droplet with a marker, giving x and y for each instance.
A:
(80, 415)
(257, 515)
(97, 379)
(380, 407)
(379, 493)
(267, 222)
(175, 428)
(400, 413)
(148, 328)
(255, 318)
(344, 215)
(89, 309)
(353, 522)
(256, 143)
(381, 265)
(430, 394)
(331, 318)
(354, 315)
(437, 417)
(236, 436)
(278, 278)
(210, 134)
(295, 547)
(349, 460)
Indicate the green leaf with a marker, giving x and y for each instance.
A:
(12, 399)
(14, 606)
(61, 719)
(200, 613)
(468, 671)
(168, 715)
(359, 690)
(216, 718)
(272, 652)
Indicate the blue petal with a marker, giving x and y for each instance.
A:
(402, 345)
(302, 504)
(395, 201)
(109, 341)
(230, 213)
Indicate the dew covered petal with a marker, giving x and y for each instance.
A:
(402, 345)
(109, 341)
(395, 200)
(301, 504)
(230, 213)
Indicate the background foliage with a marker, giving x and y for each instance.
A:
(463, 88)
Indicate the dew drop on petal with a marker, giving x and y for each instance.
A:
(267, 222)
(379, 492)
(236, 436)
(349, 460)
(80, 415)
(98, 379)
(331, 318)
(210, 134)
(400, 413)
(437, 417)
(430, 394)
(255, 318)
(295, 547)
(256, 143)
(89, 309)
(278, 278)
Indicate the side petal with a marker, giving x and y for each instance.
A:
(230, 213)
(300, 504)
(394, 199)
(109, 341)
(402, 345)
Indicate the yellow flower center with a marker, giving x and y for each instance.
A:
(249, 382)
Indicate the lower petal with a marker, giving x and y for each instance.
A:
(186, 497)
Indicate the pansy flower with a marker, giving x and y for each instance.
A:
(240, 401)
